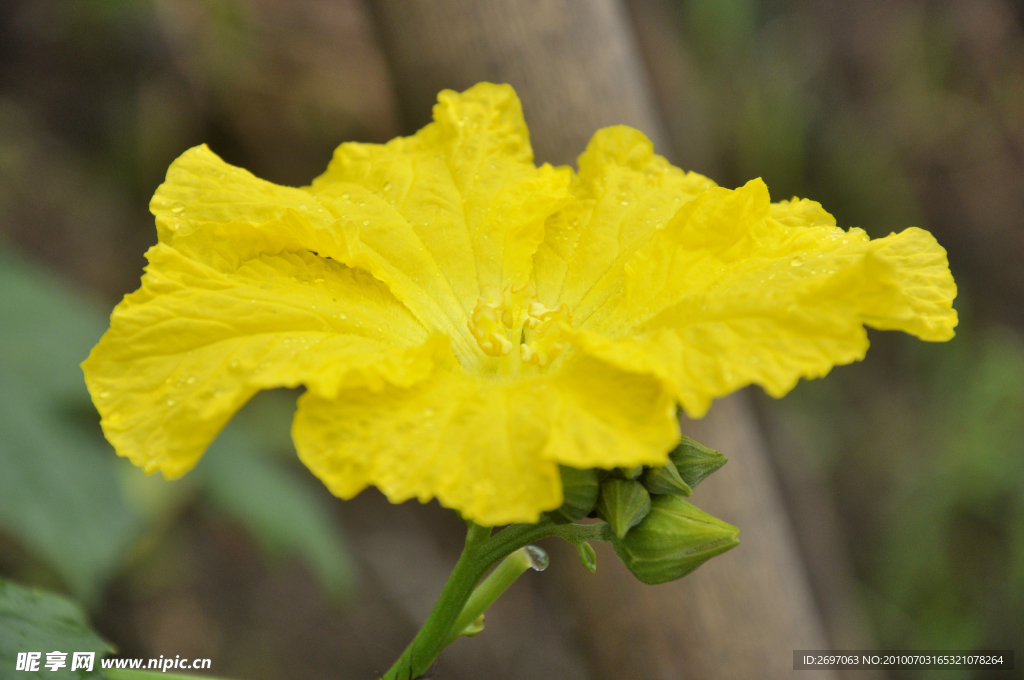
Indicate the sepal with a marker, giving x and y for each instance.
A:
(579, 494)
(587, 556)
(694, 461)
(623, 503)
(666, 479)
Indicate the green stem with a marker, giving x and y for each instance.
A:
(485, 594)
(482, 551)
(432, 637)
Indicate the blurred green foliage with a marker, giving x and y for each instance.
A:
(35, 620)
(954, 552)
(59, 493)
(78, 509)
(924, 450)
(892, 115)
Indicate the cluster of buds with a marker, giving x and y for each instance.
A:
(657, 534)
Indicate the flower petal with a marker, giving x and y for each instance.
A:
(190, 347)
(624, 192)
(457, 206)
(218, 213)
(474, 446)
(605, 417)
(727, 295)
(488, 449)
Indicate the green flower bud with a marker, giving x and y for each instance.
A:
(666, 479)
(631, 472)
(579, 494)
(695, 461)
(675, 538)
(623, 503)
(587, 556)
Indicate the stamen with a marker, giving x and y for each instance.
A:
(514, 304)
(545, 340)
(516, 310)
(485, 325)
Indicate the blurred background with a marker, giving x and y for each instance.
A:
(902, 475)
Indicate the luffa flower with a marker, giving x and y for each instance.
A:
(464, 321)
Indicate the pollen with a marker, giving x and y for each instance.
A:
(486, 326)
(500, 316)
(545, 333)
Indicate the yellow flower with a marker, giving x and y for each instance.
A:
(464, 321)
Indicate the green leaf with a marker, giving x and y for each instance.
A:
(37, 621)
(59, 496)
(285, 514)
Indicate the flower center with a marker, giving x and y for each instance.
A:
(501, 316)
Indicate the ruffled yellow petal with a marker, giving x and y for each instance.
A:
(219, 214)
(473, 446)
(190, 347)
(735, 291)
(457, 207)
(606, 417)
(623, 193)
(488, 449)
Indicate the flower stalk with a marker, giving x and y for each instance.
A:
(492, 587)
(461, 601)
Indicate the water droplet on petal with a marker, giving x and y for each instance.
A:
(625, 202)
(178, 208)
(170, 402)
(303, 206)
(234, 363)
(345, 195)
(191, 380)
(366, 223)
(797, 262)
(387, 186)
(104, 394)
